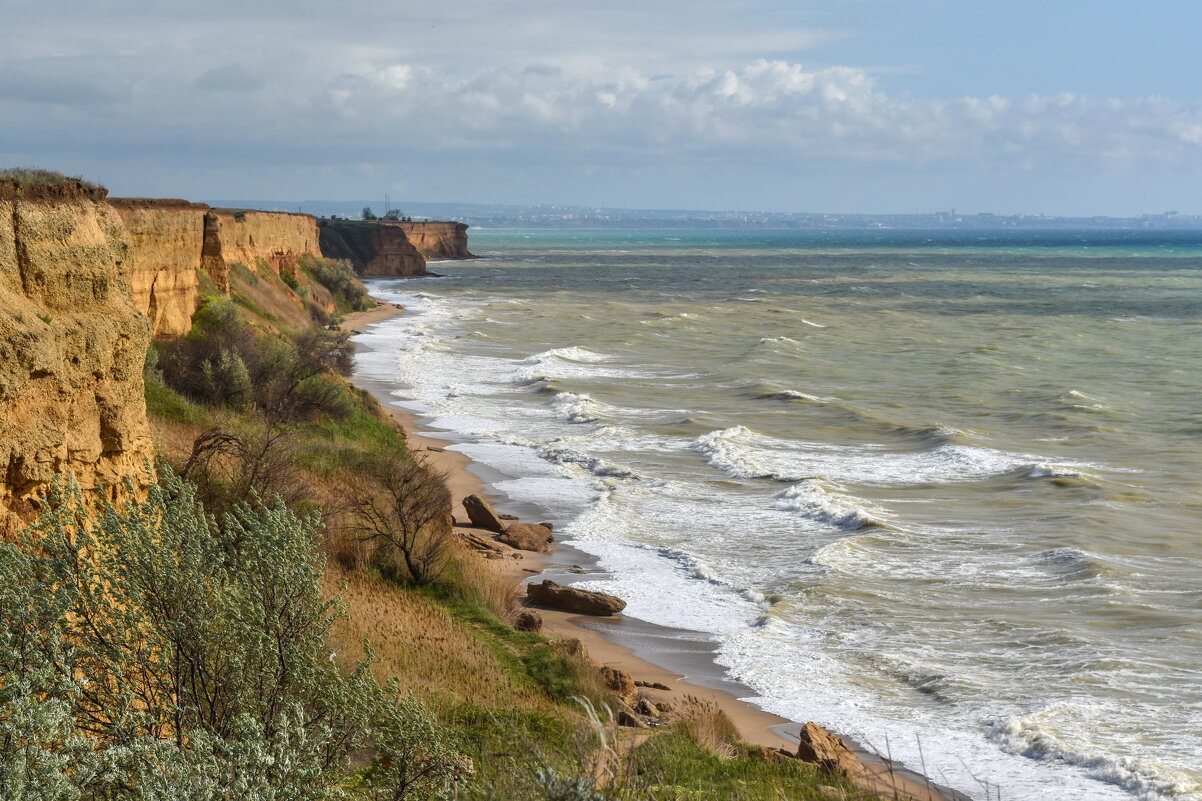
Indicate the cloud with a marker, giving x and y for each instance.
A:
(770, 109)
(515, 87)
(230, 78)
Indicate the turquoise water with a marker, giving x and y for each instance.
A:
(918, 486)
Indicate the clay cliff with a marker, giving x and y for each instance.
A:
(72, 346)
(438, 240)
(374, 247)
(278, 238)
(172, 239)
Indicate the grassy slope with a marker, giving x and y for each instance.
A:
(507, 695)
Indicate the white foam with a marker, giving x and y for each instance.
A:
(742, 453)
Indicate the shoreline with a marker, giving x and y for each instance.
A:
(681, 659)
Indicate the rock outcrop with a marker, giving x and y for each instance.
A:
(571, 599)
(278, 238)
(481, 513)
(376, 248)
(172, 239)
(438, 240)
(829, 752)
(168, 242)
(527, 537)
(72, 346)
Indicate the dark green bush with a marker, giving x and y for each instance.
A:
(338, 276)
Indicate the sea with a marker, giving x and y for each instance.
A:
(936, 490)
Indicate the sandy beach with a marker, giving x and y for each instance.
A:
(681, 660)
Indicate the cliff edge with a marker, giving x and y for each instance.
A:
(72, 346)
(376, 248)
(438, 240)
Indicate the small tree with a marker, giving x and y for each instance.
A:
(403, 505)
(368, 214)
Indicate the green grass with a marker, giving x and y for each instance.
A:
(673, 765)
(254, 308)
(207, 288)
(240, 270)
(167, 404)
(35, 176)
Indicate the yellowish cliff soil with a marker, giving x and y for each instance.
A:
(72, 346)
(278, 238)
(168, 241)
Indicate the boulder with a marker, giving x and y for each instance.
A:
(626, 716)
(485, 546)
(482, 514)
(647, 708)
(528, 620)
(620, 684)
(829, 752)
(570, 599)
(652, 685)
(527, 537)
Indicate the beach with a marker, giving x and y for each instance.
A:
(650, 654)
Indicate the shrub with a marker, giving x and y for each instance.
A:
(158, 653)
(338, 276)
(403, 506)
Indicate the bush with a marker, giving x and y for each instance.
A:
(158, 653)
(338, 276)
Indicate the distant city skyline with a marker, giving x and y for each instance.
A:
(839, 106)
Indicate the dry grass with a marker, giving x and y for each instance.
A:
(708, 725)
(487, 584)
(418, 641)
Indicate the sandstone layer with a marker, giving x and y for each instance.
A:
(168, 239)
(375, 247)
(173, 239)
(72, 346)
(278, 238)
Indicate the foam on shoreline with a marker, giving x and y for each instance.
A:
(683, 659)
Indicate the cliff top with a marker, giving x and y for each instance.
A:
(31, 183)
(154, 203)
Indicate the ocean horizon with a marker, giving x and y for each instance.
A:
(937, 491)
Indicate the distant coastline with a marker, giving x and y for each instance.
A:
(573, 216)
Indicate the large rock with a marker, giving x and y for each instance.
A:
(828, 751)
(570, 599)
(482, 514)
(527, 537)
(620, 684)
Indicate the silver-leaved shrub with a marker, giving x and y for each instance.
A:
(152, 652)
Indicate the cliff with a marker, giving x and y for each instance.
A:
(438, 240)
(278, 238)
(374, 247)
(72, 346)
(172, 239)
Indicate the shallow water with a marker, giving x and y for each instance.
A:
(922, 487)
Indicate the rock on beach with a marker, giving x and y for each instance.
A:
(570, 599)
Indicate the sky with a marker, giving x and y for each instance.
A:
(1058, 107)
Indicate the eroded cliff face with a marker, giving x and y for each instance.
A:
(438, 240)
(275, 237)
(374, 247)
(168, 238)
(172, 239)
(72, 346)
